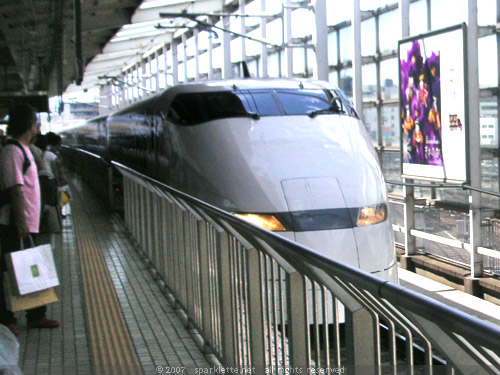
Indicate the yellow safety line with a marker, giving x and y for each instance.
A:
(110, 343)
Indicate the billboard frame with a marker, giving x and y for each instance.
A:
(422, 172)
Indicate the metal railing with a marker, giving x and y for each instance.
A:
(450, 229)
(264, 304)
(446, 233)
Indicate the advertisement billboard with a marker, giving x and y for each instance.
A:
(432, 77)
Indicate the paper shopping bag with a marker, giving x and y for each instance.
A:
(32, 269)
(28, 301)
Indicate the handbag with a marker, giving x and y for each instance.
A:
(51, 220)
(48, 190)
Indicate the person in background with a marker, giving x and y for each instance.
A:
(21, 217)
(48, 172)
(54, 142)
(37, 154)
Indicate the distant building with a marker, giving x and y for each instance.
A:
(489, 124)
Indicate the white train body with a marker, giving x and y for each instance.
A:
(313, 172)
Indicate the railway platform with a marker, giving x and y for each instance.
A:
(114, 317)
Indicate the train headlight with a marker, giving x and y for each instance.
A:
(269, 222)
(372, 214)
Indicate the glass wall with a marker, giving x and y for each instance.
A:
(380, 34)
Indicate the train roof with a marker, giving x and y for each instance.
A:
(250, 83)
(227, 85)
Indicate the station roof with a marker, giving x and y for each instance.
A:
(39, 46)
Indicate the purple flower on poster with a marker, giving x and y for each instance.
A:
(421, 107)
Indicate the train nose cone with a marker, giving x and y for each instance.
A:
(317, 206)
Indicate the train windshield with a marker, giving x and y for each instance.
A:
(198, 108)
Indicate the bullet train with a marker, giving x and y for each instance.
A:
(289, 155)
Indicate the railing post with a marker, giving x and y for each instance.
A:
(172, 239)
(164, 238)
(111, 194)
(190, 271)
(360, 341)
(225, 272)
(257, 337)
(409, 218)
(149, 224)
(177, 249)
(298, 324)
(156, 232)
(134, 208)
(138, 213)
(206, 310)
(126, 203)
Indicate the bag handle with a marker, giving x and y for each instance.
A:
(21, 242)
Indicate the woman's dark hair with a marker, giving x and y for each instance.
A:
(41, 142)
(22, 116)
(53, 139)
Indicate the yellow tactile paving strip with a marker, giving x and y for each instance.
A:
(112, 350)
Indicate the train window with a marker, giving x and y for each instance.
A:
(265, 103)
(196, 108)
(186, 109)
(349, 108)
(300, 102)
(223, 105)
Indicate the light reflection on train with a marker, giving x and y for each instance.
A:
(289, 155)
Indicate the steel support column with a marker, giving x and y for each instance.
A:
(357, 62)
(321, 46)
(143, 78)
(288, 38)
(196, 55)
(474, 137)
(175, 63)
(227, 71)
(184, 56)
(157, 74)
(243, 32)
(137, 80)
(78, 42)
(404, 13)
(408, 191)
(429, 19)
(210, 56)
(498, 77)
(165, 70)
(263, 55)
